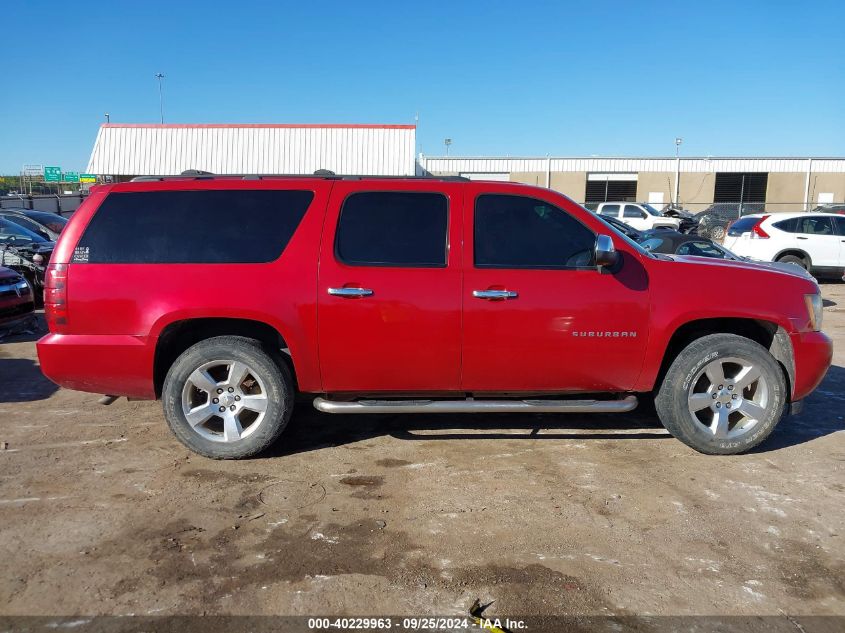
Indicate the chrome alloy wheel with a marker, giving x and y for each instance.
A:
(729, 397)
(224, 400)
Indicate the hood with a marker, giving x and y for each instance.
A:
(770, 267)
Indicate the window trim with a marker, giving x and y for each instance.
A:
(446, 250)
(591, 266)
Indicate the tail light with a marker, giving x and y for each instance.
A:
(55, 297)
(757, 230)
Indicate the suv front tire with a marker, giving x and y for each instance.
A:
(723, 395)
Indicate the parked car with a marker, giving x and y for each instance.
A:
(47, 225)
(433, 295)
(16, 302)
(639, 215)
(676, 243)
(830, 208)
(24, 251)
(688, 220)
(814, 241)
(714, 220)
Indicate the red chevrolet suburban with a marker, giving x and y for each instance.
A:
(229, 297)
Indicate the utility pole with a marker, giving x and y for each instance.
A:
(678, 142)
(159, 76)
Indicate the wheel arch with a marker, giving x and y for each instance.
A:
(797, 252)
(178, 336)
(767, 333)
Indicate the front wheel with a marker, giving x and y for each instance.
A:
(226, 398)
(723, 394)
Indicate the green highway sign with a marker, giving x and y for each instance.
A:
(52, 174)
(71, 176)
(87, 178)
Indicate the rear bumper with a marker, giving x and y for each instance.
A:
(813, 353)
(116, 365)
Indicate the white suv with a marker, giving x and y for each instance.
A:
(640, 216)
(814, 241)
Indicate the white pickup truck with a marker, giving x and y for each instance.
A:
(640, 215)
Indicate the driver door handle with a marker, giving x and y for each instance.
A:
(493, 295)
(350, 293)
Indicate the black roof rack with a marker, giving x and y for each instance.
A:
(323, 174)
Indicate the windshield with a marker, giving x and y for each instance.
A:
(14, 234)
(651, 209)
(52, 221)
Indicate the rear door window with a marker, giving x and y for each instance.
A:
(205, 227)
(815, 225)
(610, 209)
(840, 225)
(633, 212)
(393, 228)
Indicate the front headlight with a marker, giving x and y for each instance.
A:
(814, 310)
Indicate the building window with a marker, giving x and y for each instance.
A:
(610, 188)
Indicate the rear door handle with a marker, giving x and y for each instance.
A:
(493, 295)
(350, 293)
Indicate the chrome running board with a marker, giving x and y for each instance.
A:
(628, 403)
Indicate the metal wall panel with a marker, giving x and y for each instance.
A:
(443, 164)
(156, 150)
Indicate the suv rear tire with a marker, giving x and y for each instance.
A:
(226, 398)
(723, 395)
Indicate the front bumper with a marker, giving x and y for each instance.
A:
(813, 354)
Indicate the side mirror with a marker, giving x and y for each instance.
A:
(605, 252)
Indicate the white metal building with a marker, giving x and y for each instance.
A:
(125, 150)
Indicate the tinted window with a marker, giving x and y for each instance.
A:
(632, 212)
(840, 225)
(24, 222)
(11, 233)
(244, 226)
(393, 228)
(790, 225)
(46, 218)
(519, 232)
(610, 209)
(743, 225)
(815, 225)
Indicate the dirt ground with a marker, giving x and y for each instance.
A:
(103, 512)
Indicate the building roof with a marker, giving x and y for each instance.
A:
(492, 165)
(134, 149)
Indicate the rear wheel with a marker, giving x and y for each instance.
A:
(794, 259)
(717, 233)
(723, 394)
(226, 398)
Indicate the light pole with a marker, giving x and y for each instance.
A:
(159, 76)
(678, 142)
(108, 118)
(447, 142)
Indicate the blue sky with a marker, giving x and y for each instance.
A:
(509, 78)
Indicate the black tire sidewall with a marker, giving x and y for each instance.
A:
(672, 399)
(792, 259)
(275, 377)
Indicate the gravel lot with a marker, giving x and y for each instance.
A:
(103, 512)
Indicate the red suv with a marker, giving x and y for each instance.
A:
(227, 297)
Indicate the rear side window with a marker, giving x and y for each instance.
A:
(840, 225)
(789, 226)
(610, 209)
(632, 212)
(393, 228)
(521, 232)
(203, 227)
